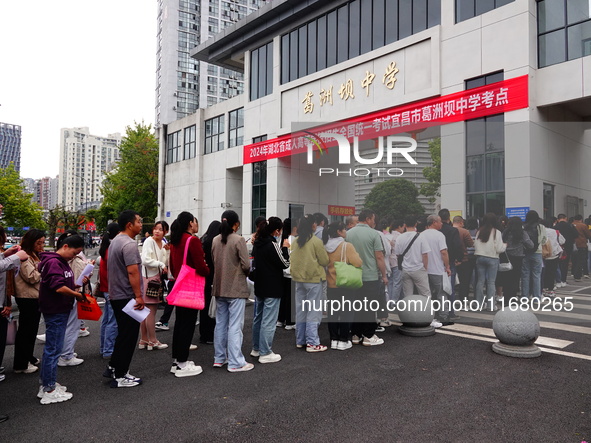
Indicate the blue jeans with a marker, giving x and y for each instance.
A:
(308, 320)
(227, 340)
(55, 331)
(72, 331)
(264, 324)
(108, 328)
(395, 284)
(531, 275)
(486, 269)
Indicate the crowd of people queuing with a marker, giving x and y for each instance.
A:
(283, 266)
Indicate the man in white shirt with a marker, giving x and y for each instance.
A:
(415, 261)
(438, 265)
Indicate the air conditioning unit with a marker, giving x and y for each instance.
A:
(175, 94)
(174, 108)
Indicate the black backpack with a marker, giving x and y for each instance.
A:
(532, 231)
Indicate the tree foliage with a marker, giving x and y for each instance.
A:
(394, 198)
(432, 188)
(18, 209)
(134, 183)
(59, 218)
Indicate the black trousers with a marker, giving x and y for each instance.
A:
(28, 326)
(580, 264)
(512, 279)
(182, 335)
(339, 322)
(287, 304)
(563, 265)
(464, 272)
(364, 320)
(128, 331)
(550, 267)
(206, 323)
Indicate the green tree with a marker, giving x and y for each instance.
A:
(18, 209)
(134, 183)
(394, 198)
(432, 188)
(59, 218)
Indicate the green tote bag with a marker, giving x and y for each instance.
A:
(348, 276)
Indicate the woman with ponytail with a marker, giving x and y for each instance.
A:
(270, 263)
(231, 261)
(182, 231)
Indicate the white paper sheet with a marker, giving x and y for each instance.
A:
(137, 314)
(87, 271)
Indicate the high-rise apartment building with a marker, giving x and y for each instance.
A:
(10, 145)
(184, 84)
(84, 160)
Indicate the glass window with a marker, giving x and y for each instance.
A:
(495, 133)
(548, 201)
(391, 22)
(475, 174)
(579, 40)
(254, 74)
(475, 136)
(552, 48)
(366, 25)
(303, 49)
(578, 11)
(331, 39)
(379, 24)
(343, 34)
(495, 171)
(269, 68)
(262, 71)
(190, 148)
(475, 205)
(173, 148)
(236, 128)
(321, 42)
(433, 13)
(285, 58)
(495, 203)
(354, 28)
(311, 48)
(419, 16)
(465, 9)
(293, 55)
(550, 15)
(259, 190)
(404, 18)
(214, 134)
(483, 6)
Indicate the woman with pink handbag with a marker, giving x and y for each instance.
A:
(188, 268)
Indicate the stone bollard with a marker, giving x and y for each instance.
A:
(416, 317)
(517, 332)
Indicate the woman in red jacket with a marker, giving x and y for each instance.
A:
(182, 231)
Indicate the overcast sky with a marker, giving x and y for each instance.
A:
(70, 63)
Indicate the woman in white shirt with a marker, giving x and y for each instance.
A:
(488, 245)
(154, 263)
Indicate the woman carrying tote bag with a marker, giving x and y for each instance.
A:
(517, 241)
(183, 230)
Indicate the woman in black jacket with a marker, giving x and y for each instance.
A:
(206, 323)
(268, 288)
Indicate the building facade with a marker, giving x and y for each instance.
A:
(184, 84)
(84, 160)
(505, 85)
(10, 145)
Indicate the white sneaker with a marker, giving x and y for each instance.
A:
(57, 386)
(334, 344)
(55, 396)
(270, 358)
(255, 353)
(355, 340)
(41, 338)
(125, 382)
(246, 367)
(289, 327)
(435, 324)
(30, 369)
(373, 341)
(74, 361)
(193, 347)
(344, 345)
(83, 332)
(189, 370)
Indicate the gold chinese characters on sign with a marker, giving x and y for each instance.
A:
(346, 90)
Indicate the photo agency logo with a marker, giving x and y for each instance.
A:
(390, 146)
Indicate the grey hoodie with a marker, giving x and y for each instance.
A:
(332, 244)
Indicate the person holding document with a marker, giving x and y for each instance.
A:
(125, 284)
(57, 292)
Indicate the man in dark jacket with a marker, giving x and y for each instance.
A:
(569, 233)
(454, 250)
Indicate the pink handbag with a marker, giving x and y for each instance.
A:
(188, 289)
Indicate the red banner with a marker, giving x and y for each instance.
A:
(497, 98)
(341, 210)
